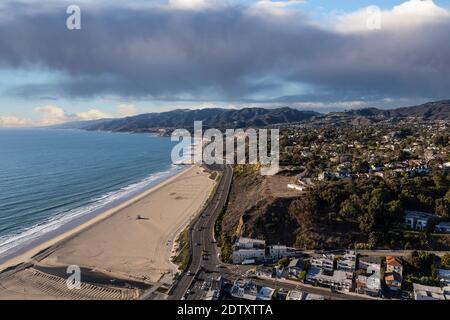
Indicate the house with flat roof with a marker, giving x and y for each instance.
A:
(277, 252)
(347, 262)
(417, 220)
(338, 280)
(324, 261)
(265, 293)
(370, 282)
(443, 227)
(246, 250)
(444, 276)
(422, 292)
(244, 289)
(296, 266)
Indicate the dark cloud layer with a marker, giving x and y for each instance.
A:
(219, 54)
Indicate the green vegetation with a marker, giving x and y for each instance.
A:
(182, 259)
(373, 209)
(284, 262)
(420, 267)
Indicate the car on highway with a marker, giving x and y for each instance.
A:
(190, 273)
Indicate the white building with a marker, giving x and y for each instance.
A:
(247, 255)
(422, 292)
(325, 262)
(246, 249)
(370, 283)
(347, 263)
(248, 243)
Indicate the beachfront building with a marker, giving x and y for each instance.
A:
(247, 290)
(324, 262)
(246, 249)
(296, 266)
(370, 282)
(337, 280)
(417, 220)
(301, 295)
(347, 263)
(422, 292)
(244, 289)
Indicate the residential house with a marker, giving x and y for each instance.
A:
(337, 280)
(394, 264)
(277, 252)
(370, 282)
(325, 262)
(301, 295)
(393, 281)
(368, 261)
(296, 266)
(443, 227)
(422, 292)
(347, 263)
(417, 220)
(265, 293)
(444, 276)
(244, 289)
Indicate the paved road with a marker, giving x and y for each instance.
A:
(203, 249)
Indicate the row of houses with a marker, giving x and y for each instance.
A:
(248, 251)
(351, 273)
(245, 289)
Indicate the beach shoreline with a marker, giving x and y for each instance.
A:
(59, 240)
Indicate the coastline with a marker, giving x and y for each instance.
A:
(75, 227)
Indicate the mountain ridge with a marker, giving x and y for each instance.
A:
(254, 117)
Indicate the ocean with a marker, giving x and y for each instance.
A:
(51, 179)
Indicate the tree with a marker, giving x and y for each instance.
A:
(284, 262)
(445, 261)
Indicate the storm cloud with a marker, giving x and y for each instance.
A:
(227, 52)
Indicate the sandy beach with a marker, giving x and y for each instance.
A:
(133, 240)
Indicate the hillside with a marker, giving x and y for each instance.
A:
(439, 110)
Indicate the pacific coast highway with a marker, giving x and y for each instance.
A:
(204, 253)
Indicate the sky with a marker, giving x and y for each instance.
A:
(139, 56)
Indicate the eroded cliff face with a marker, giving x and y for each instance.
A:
(259, 208)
